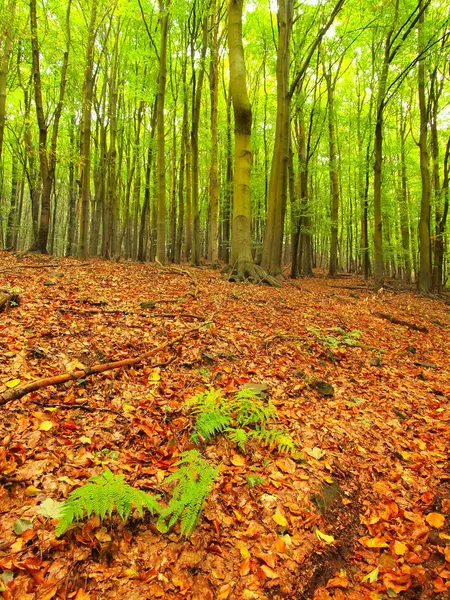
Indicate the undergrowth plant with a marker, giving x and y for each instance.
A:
(245, 417)
(100, 496)
(194, 479)
(105, 493)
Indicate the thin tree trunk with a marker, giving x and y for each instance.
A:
(6, 37)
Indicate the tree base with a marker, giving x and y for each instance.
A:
(248, 271)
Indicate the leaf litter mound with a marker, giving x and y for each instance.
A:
(361, 511)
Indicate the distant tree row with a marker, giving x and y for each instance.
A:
(314, 134)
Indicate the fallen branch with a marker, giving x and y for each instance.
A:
(401, 322)
(124, 312)
(38, 384)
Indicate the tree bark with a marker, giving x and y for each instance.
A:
(161, 158)
(85, 141)
(6, 38)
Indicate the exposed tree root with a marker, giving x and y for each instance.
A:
(246, 270)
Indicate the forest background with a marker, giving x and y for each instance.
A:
(257, 133)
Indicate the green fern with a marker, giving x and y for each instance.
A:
(238, 436)
(250, 409)
(194, 478)
(100, 496)
(212, 414)
(245, 416)
(275, 437)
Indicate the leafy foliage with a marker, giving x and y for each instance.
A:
(213, 414)
(100, 496)
(340, 337)
(194, 478)
(243, 418)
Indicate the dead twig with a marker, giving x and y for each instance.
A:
(401, 322)
(38, 384)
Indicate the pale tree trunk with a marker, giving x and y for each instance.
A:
(438, 249)
(6, 38)
(334, 183)
(161, 159)
(424, 279)
(184, 137)
(273, 239)
(214, 178)
(85, 141)
(241, 255)
(145, 213)
(242, 265)
(47, 161)
(72, 222)
(196, 106)
(13, 224)
(111, 217)
(403, 201)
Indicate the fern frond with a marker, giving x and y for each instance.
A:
(275, 437)
(194, 477)
(100, 496)
(238, 436)
(213, 415)
(253, 411)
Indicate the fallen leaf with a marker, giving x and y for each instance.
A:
(435, 520)
(22, 525)
(237, 460)
(12, 383)
(268, 572)
(51, 509)
(280, 519)
(400, 548)
(224, 591)
(31, 491)
(372, 576)
(45, 426)
(375, 542)
(328, 539)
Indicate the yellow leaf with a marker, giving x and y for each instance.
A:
(128, 408)
(328, 539)
(45, 425)
(224, 591)
(31, 491)
(315, 452)
(400, 548)
(244, 552)
(435, 520)
(372, 576)
(12, 383)
(237, 460)
(84, 439)
(375, 542)
(280, 519)
(154, 376)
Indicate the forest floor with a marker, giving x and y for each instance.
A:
(361, 512)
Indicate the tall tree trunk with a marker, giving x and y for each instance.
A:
(403, 201)
(13, 223)
(85, 141)
(214, 177)
(273, 239)
(145, 213)
(334, 183)
(6, 37)
(161, 159)
(424, 279)
(47, 161)
(72, 222)
(196, 106)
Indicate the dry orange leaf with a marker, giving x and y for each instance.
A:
(244, 569)
(375, 542)
(435, 520)
(268, 572)
(338, 582)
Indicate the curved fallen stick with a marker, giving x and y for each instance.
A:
(38, 384)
